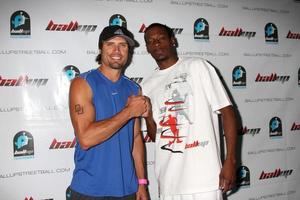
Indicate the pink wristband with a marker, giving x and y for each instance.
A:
(143, 181)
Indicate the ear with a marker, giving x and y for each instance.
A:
(174, 42)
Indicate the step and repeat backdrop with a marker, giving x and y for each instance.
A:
(255, 45)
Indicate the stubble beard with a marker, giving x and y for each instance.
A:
(116, 65)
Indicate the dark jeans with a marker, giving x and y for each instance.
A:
(73, 195)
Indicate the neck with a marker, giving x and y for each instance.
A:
(111, 74)
(164, 64)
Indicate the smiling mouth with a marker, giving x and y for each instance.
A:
(116, 57)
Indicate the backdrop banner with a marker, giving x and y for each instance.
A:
(254, 45)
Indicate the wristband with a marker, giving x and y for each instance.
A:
(143, 181)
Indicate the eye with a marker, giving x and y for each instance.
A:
(149, 41)
(162, 38)
(124, 45)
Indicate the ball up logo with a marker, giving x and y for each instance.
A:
(201, 29)
(175, 30)
(243, 176)
(118, 19)
(277, 173)
(273, 77)
(62, 145)
(72, 26)
(238, 32)
(239, 77)
(291, 35)
(23, 145)
(23, 81)
(295, 127)
(275, 127)
(271, 33)
(249, 131)
(71, 72)
(20, 24)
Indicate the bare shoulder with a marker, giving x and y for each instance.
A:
(80, 88)
(79, 83)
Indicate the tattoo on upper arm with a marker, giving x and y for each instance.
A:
(78, 109)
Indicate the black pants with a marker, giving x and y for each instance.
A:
(73, 195)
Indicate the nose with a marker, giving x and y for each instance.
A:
(156, 42)
(117, 48)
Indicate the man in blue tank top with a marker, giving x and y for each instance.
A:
(105, 109)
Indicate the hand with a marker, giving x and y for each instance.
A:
(148, 112)
(142, 193)
(137, 105)
(227, 177)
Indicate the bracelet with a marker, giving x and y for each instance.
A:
(143, 181)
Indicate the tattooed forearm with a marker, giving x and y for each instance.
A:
(78, 109)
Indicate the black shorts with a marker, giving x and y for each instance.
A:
(73, 195)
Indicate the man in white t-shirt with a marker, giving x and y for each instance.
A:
(186, 97)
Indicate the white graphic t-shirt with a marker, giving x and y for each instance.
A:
(185, 99)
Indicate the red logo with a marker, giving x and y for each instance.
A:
(23, 81)
(291, 35)
(271, 78)
(62, 145)
(275, 174)
(295, 127)
(72, 26)
(238, 32)
(175, 30)
(252, 131)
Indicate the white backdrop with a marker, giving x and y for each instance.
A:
(254, 44)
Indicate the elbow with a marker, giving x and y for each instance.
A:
(84, 147)
(84, 144)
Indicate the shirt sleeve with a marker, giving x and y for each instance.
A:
(214, 88)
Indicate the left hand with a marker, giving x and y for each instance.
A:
(142, 193)
(227, 177)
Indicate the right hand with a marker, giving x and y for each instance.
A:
(137, 105)
(148, 112)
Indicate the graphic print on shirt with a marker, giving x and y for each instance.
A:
(174, 113)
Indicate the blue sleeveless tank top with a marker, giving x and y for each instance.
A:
(107, 169)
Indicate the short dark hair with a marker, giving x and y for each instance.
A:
(170, 32)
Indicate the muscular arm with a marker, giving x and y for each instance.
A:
(82, 112)
(228, 172)
(139, 159)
